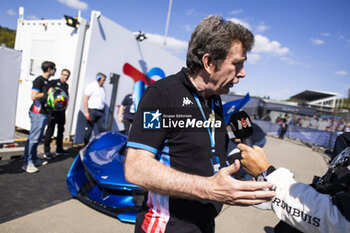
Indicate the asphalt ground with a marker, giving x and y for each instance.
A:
(22, 193)
(40, 202)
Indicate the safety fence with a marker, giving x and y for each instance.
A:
(308, 135)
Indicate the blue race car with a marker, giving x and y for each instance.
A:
(96, 178)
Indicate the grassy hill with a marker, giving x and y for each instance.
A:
(7, 37)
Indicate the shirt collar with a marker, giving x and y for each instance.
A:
(185, 79)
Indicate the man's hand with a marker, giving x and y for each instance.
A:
(142, 169)
(87, 115)
(254, 160)
(235, 192)
(121, 113)
(36, 95)
(86, 109)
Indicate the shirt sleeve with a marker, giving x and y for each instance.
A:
(302, 207)
(38, 85)
(67, 88)
(125, 100)
(147, 132)
(88, 90)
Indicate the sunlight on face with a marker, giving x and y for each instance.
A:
(64, 76)
(230, 71)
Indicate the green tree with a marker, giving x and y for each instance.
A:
(347, 101)
(7, 37)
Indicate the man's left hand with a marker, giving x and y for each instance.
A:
(254, 160)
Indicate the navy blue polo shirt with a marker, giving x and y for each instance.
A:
(169, 123)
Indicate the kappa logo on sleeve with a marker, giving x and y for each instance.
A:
(152, 119)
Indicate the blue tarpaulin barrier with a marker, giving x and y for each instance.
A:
(310, 135)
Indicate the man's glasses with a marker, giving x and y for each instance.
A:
(223, 20)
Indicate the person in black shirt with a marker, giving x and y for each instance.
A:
(177, 144)
(57, 118)
(127, 112)
(38, 114)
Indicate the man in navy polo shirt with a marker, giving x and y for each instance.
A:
(57, 118)
(177, 145)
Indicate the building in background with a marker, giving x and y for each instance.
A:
(259, 107)
(322, 101)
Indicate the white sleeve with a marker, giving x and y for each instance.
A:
(302, 207)
(88, 90)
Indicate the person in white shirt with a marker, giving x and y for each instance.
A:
(94, 106)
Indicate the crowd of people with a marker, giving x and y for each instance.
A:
(46, 113)
(321, 123)
(315, 122)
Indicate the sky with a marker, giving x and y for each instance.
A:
(299, 44)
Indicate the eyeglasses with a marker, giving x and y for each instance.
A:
(223, 20)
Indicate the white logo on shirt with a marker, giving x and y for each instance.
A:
(232, 109)
(186, 101)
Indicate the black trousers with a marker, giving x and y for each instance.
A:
(127, 124)
(59, 119)
(282, 133)
(96, 117)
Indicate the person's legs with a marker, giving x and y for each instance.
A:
(61, 120)
(89, 126)
(48, 134)
(127, 124)
(280, 132)
(100, 121)
(38, 123)
(283, 131)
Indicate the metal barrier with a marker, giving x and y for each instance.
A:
(309, 135)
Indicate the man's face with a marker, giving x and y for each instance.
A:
(52, 71)
(64, 76)
(102, 81)
(230, 71)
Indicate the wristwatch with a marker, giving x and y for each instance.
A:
(262, 176)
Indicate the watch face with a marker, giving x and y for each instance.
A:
(260, 177)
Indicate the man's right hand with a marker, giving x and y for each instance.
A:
(87, 115)
(235, 192)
